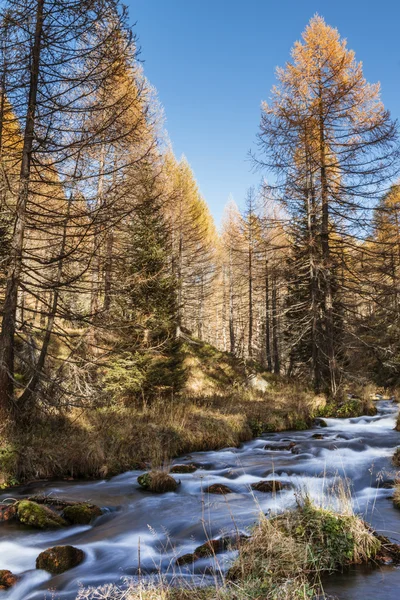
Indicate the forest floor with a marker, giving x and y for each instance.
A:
(223, 402)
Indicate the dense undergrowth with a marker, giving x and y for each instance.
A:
(195, 398)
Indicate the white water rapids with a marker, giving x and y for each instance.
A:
(162, 527)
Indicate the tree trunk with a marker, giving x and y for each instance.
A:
(326, 260)
(267, 320)
(7, 335)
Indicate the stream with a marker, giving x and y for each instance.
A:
(159, 528)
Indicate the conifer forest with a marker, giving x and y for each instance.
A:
(194, 409)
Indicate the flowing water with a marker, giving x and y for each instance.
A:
(158, 528)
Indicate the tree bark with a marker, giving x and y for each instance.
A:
(7, 335)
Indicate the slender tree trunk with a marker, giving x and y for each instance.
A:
(250, 339)
(30, 389)
(326, 259)
(232, 340)
(7, 335)
(275, 331)
(267, 320)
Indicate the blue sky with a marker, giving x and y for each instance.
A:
(213, 62)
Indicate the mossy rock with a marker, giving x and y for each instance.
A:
(40, 517)
(81, 514)
(210, 548)
(7, 579)
(183, 469)
(8, 512)
(186, 559)
(280, 447)
(157, 482)
(268, 486)
(58, 559)
(218, 488)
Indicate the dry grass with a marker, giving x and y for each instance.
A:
(215, 409)
(396, 496)
(284, 559)
(396, 457)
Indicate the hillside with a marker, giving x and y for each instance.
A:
(213, 400)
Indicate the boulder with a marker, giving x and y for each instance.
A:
(268, 486)
(158, 482)
(218, 488)
(257, 383)
(7, 579)
(81, 514)
(210, 548)
(40, 517)
(317, 436)
(59, 559)
(8, 512)
(183, 469)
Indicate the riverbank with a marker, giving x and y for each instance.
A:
(166, 536)
(222, 402)
(285, 558)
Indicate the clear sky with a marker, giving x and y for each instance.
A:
(213, 62)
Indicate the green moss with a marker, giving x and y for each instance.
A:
(157, 482)
(40, 517)
(81, 514)
(183, 469)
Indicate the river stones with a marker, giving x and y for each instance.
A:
(218, 488)
(182, 469)
(8, 512)
(321, 422)
(7, 579)
(40, 517)
(280, 447)
(81, 514)
(210, 548)
(317, 436)
(58, 559)
(268, 486)
(157, 482)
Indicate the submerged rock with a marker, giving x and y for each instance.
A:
(210, 548)
(40, 517)
(59, 559)
(158, 482)
(8, 512)
(270, 485)
(7, 579)
(321, 422)
(81, 514)
(183, 469)
(389, 552)
(218, 488)
(279, 447)
(317, 436)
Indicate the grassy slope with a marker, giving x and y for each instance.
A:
(214, 409)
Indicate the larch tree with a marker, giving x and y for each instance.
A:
(326, 130)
